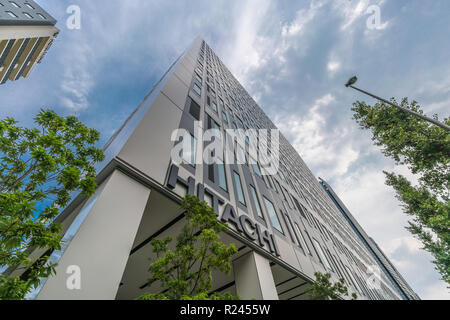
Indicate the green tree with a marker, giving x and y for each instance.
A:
(185, 272)
(38, 170)
(425, 150)
(323, 289)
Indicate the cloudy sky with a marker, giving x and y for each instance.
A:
(293, 57)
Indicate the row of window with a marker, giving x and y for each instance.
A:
(218, 77)
(14, 4)
(189, 158)
(211, 103)
(26, 14)
(241, 157)
(299, 239)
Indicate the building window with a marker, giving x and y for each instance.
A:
(286, 197)
(280, 189)
(14, 4)
(41, 16)
(321, 254)
(241, 157)
(189, 155)
(256, 169)
(27, 15)
(214, 106)
(330, 259)
(301, 239)
(194, 110)
(269, 178)
(336, 266)
(273, 215)
(256, 202)
(199, 79)
(239, 191)
(288, 222)
(222, 176)
(29, 5)
(280, 172)
(224, 117)
(197, 89)
(214, 126)
(353, 279)
(11, 14)
(211, 172)
(241, 125)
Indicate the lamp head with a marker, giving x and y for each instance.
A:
(351, 81)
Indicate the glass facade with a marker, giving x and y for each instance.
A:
(189, 155)
(321, 254)
(256, 202)
(239, 190)
(222, 175)
(273, 215)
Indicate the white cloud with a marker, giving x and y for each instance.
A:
(77, 80)
(436, 291)
(244, 54)
(303, 17)
(351, 13)
(309, 137)
(438, 106)
(362, 191)
(333, 66)
(411, 244)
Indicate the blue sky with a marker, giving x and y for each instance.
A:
(293, 57)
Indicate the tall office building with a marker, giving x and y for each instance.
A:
(26, 33)
(383, 262)
(283, 223)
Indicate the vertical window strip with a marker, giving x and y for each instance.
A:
(256, 202)
(273, 215)
(222, 176)
(239, 190)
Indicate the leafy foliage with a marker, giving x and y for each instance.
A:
(425, 149)
(323, 289)
(38, 170)
(185, 272)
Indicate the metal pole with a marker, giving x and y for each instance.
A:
(435, 122)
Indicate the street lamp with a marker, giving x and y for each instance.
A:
(353, 80)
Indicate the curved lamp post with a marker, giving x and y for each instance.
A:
(353, 80)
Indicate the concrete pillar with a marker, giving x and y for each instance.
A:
(102, 244)
(253, 277)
